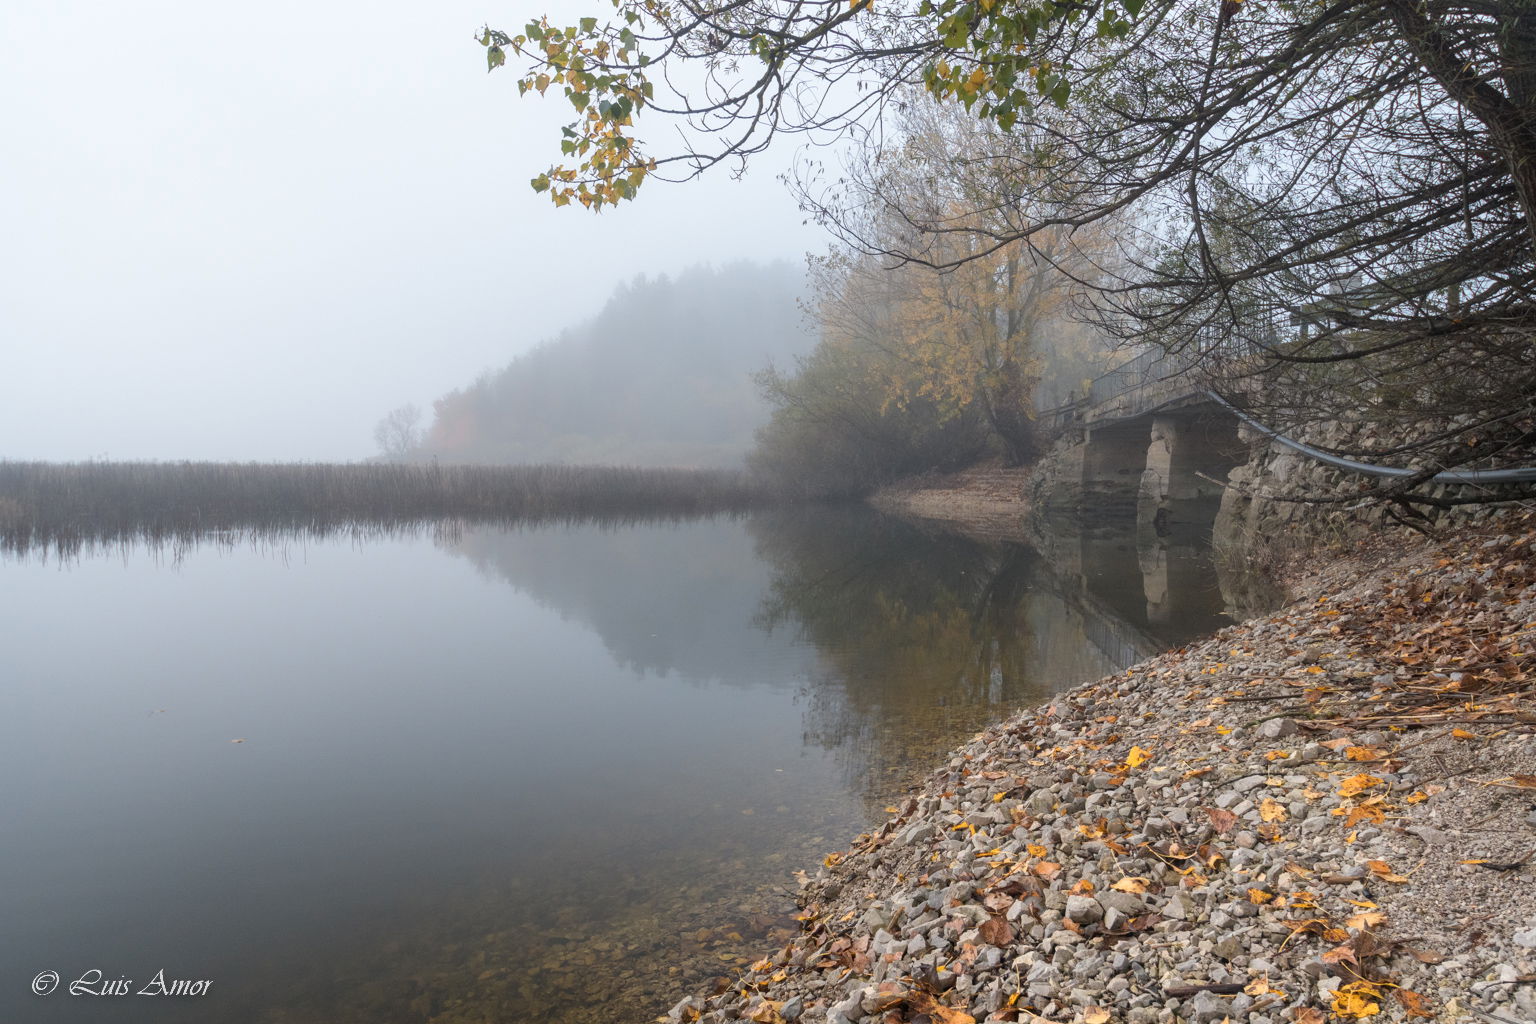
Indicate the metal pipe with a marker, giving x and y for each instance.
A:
(1519, 475)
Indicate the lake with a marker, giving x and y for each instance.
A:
(462, 773)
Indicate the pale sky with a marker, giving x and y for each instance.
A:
(246, 231)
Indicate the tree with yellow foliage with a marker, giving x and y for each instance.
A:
(973, 321)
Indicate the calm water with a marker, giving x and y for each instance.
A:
(556, 774)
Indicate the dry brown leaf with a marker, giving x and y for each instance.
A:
(996, 931)
(1131, 883)
(1095, 1015)
(767, 1012)
(1047, 869)
(1414, 1004)
(1368, 919)
(1222, 821)
(924, 1002)
(1381, 869)
(1339, 954)
(1307, 1015)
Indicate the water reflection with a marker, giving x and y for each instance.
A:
(561, 775)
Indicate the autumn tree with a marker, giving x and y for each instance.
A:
(1336, 199)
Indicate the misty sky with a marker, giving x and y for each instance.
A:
(247, 231)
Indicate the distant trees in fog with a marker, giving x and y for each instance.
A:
(660, 376)
(399, 431)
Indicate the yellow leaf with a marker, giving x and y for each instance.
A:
(1272, 810)
(1357, 999)
(1259, 896)
(1036, 850)
(1381, 869)
(1137, 757)
(1462, 734)
(1357, 784)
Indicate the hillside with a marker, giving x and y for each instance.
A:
(661, 376)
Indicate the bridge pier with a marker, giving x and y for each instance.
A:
(1114, 459)
(1190, 453)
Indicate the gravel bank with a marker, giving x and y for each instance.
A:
(1322, 814)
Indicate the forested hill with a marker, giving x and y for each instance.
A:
(662, 376)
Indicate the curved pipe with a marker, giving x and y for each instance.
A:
(1520, 475)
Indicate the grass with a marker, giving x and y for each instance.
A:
(69, 507)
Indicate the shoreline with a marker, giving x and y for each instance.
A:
(986, 502)
(1324, 813)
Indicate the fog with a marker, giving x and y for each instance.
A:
(246, 232)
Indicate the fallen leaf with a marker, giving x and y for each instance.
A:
(923, 1002)
(1259, 896)
(1339, 954)
(1462, 734)
(1414, 1004)
(1307, 1015)
(1221, 820)
(1036, 850)
(1357, 784)
(1381, 869)
(767, 1012)
(1094, 1015)
(1416, 798)
(1369, 919)
(1357, 999)
(1272, 810)
(996, 931)
(1137, 757)
(1131, 883)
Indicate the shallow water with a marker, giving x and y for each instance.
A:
(554, 774)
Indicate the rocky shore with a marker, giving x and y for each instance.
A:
(1326, 813)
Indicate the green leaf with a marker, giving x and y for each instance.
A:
(495, 57)
(588, 24)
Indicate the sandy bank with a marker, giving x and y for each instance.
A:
(984, 501)
(1322, 814)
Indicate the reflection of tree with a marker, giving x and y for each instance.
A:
(923, 638)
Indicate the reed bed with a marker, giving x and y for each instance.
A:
(69, 507)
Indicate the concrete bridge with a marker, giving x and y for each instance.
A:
(1148, 444)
